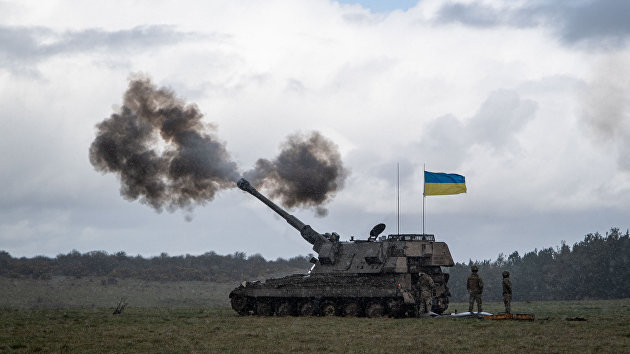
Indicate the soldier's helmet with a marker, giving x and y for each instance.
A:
(474, 268)
(506, 274)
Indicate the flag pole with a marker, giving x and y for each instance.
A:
(424, 195)
(398, 195)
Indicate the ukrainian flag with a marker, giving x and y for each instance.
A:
(437, 183)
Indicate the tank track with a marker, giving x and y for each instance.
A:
(347, 307)
(325, 295)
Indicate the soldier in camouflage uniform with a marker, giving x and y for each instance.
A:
(474, 285)
(426, 287)
(507, 291)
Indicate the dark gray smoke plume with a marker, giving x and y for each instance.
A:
(163, 153)
(166, 157)
(307, 173)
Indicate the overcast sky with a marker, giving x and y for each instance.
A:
(529, 100)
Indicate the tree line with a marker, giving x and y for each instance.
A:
(596, 268)
(207, 267)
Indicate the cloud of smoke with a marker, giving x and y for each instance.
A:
(190, 169)
(307, 172)
(168, 158)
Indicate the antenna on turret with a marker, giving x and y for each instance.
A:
(398, 196)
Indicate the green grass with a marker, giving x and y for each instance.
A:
(95, 292)
(219, 329)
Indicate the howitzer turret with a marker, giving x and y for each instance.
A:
(373, 277)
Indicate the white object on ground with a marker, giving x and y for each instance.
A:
(464, 314)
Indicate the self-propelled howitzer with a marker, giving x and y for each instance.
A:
(372, 277)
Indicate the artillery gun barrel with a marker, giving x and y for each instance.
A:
(310, 235)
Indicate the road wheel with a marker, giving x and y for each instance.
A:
(327, 309)
(239, 304)
(351, 309)
(307, 308)
(263, 308)
(284, 309)
(375, 309)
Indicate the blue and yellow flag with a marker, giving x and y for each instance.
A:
(437, 183)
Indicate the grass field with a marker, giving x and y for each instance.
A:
(96, 292)
(219, 329)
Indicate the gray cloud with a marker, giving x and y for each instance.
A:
(500, 117)
(475, 15)
(447, 138)
(595, 22)
(404, 169)
(603, 19)
(495, 125)
(23, 47)
(605, 108)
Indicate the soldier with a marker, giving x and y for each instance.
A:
(426, 287)
(474, 285)
(507, 291)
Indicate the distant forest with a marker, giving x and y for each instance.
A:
(207, 267)
(596, 268)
